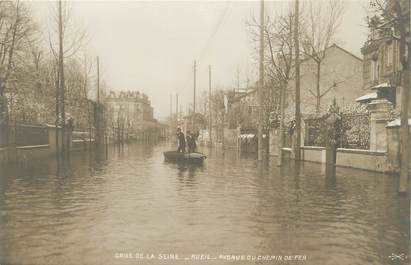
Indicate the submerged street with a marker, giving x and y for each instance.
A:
(101, 210)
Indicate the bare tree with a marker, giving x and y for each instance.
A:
(268, 91)
(279, 67)
(320, 26)
(279, 34)
(69, 41)
(16, 26)
(87, 65)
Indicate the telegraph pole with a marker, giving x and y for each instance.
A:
(98, 80)
(171, 115)
(297, 84)
(238, 81)
(58, 110)
(97, 109)
(261, 85)
(177, 109)
(194, 95)
(61, 80)
(210, 124)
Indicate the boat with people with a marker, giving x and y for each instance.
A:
(193, 157)
(181, 155)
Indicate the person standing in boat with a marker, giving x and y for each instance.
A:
(181, 141)
(194, 137)
(189, 141)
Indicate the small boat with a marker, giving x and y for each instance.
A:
(175, 156)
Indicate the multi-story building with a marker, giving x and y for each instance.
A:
(129, 112)
(382, 69)
(340, 79)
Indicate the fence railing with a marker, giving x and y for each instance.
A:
(82, 135)
(23, 135)
(4, 135)
(355, 132)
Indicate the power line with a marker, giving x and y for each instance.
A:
(216, 28)
(210, 38)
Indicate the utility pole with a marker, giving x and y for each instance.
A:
(180, 114)
(97, 109)
(98, 80)
(171, 115)
(210, 124)
(238, 81)
(261, 85)
(61, 80)
(58, 110)
(222, 132)
(177, 109)
(297, 84)
(194, 95)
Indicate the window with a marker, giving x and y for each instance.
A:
(375, 68)
(389, 54)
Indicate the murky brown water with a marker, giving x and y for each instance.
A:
(98, 211)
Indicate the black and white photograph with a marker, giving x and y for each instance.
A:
(205, 132)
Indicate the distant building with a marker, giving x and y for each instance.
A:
(242, 109)
(340, 78)
(129, 112)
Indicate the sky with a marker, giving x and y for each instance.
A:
(150, 46)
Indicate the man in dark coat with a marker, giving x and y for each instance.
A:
(189, 141)
(181, 141)
(194, 137)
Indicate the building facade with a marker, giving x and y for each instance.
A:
(129, 114)
(340, 78)
(382, 68)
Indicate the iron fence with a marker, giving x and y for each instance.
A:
(355, 132)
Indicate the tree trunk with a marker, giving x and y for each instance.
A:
(404, 132)
(61, 80)
(405, 95)
(222, 132)
(318, 92)
(281, 141)
(297, 154)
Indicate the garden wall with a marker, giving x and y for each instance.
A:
(355, 158)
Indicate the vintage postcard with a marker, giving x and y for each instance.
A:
(205, 132)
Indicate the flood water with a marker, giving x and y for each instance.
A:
(128, 206)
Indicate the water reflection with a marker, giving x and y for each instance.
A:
(187, 173)
(84, 211)
(330, 177)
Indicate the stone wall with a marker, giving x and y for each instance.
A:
(355, 158)
(23, 154)
(313, 154)
(362, 159)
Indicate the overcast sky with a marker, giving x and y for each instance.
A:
(151, 46)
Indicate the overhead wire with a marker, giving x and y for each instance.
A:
(209, 41)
